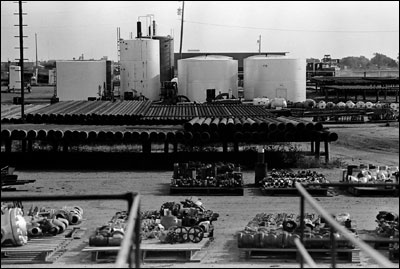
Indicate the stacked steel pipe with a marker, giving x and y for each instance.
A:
(257, 129)
(97, 136)
(90, 112)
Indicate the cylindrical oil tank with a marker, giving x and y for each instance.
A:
(140, 67)
(196, 75)
(166, 57)
(274, 76)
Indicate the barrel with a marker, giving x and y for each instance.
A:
(230, 125)
(5, 134)
(51, 134)
(238, 124)
(214, 124)
(333, 136)
(238, 136)
(14, 134)
(58, 134)
(118, 136)
(42, 134)
(197, 124)
(67, 135)
(188, 136)
(161, 137)
(83, 135)
(205, 137)
(92, 136)
(188, 126)
(144, 136)
(205, 126)
(171, 137)
(102, 136)
(180, 136)
(136, 136)
(222, 124)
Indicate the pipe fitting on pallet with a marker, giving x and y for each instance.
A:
(35, 231)
(13, 227)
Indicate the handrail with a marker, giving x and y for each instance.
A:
(125, 252)
(379, 258)
(304, 253)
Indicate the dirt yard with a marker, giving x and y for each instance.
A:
(367, 143)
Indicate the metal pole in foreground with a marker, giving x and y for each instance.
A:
(21, 60)
(183, 12)
(301, 227)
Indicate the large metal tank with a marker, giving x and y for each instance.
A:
(140, 67)
(15, 77)
(166, 57)
(196, 75)
(274, 76)
(79, 80)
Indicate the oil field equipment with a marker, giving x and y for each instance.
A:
(207, 175)
(13, 226)
(187, 221)
(280, 230)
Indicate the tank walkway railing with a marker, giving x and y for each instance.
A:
(133, 200)
(379, 258)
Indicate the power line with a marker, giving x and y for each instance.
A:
(294, 30)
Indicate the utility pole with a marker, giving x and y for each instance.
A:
(259, 44)
(21, 55)
(36, 51)
(183, 12)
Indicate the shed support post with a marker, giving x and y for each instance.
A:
(326, 151)
(8, 145)
(166, 147)
(236, 147)
(225, 146)
(146, 147)
(30, 145)
(23, 145)
(317, 147)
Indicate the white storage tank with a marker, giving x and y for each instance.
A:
(197, 74)
(140, 67)
(79, 80)
(274, 77)
(15, 77)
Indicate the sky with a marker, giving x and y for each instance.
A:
(308, 29)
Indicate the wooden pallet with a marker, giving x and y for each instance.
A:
(207, 190)
(343, 255)
(394, 255)
(154, 251)
(377, 241)
(373, 191)
(293, 191)
(383, 243)
(38, 250)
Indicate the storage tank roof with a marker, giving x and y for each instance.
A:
(208, 57)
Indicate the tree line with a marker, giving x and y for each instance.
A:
(379, 61)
